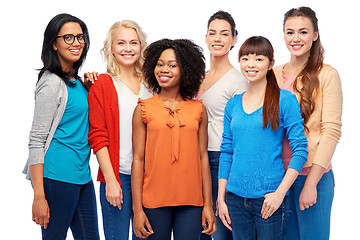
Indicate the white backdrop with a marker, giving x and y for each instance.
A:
(22, 24)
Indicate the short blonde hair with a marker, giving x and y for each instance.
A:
(113, 67)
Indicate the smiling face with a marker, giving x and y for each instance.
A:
(68, 53)
(299, 36)
(255, 67)
(125, 46)
(219, 38)
(167, 70)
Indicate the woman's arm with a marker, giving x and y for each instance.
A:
(99, 141)
(330, 134)
(225, 165)
(308, 194)
(273, 200)
(47, 101)
(141, 224)
(40, 207)
(208, 217)
(113, 189)
(293, 124)
(223, 210)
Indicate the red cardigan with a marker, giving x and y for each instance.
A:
(104, 121)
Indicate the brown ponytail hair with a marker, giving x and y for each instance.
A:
(259, 45)
(307, 81)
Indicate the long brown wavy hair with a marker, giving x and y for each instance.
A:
(271, 110)
(307, 81)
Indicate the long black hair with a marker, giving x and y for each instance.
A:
(49, 56)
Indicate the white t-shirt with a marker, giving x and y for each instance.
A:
(127, 103)
(215, 99)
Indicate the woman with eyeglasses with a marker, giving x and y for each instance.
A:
(59, 152)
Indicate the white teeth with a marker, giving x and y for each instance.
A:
(164, 78)
(74, 50)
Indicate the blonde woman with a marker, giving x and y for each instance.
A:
(112, 100)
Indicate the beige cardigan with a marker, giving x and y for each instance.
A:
(324, 123)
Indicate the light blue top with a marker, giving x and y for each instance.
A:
(67, 158)
(251, 158)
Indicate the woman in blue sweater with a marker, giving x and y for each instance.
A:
(252, 182)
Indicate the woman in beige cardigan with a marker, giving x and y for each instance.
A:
(318, 89)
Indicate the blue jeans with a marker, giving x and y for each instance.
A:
(312, 223)
(116, 222)
(247, 223)
(73, 206)
(222, 232)
(183, 221)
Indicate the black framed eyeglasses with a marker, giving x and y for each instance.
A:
(70, 38)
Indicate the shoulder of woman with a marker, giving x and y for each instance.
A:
(236, 75)
(327, 69)
(278, 70)
(103, 83)
(285, 94)
(328, 75)
(279, 67)
(287, 98)
(234, 100)
(103, 79)
(50, 84)
(51, 79)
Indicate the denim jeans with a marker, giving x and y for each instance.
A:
(116, 222)
(71, 205)
(247, 222)
(312, 223)
(183, 221)
(222, 232)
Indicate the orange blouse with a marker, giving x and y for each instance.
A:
(172, 174)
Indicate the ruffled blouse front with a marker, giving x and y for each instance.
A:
(172, 174)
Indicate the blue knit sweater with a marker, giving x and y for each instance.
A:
(251, 157)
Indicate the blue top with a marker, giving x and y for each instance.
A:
(251, 158)
(67, 158)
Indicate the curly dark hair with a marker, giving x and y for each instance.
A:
(190, 59)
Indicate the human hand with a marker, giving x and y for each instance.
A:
(114, 193)
(141, 225)
(224, 214)
(89, 78)
(271, 203)
(40, 211)
(307, 197)
(208, 220)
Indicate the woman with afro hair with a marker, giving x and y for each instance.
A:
(170, 178)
